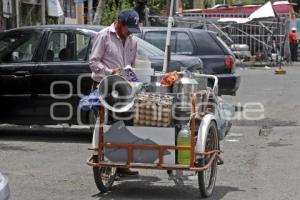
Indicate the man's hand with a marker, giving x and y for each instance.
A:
(116, 71)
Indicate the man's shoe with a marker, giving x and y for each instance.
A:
(125, 172)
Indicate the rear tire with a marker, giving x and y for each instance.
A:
(207, 179)
(104, 177)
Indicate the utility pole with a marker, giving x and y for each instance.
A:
(43, 11)
(17, 13)
(80, 12)
(90, 11)
(98, 14)
(167, 57)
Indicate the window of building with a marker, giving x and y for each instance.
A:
(69, 7)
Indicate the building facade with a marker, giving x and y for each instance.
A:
(14, 13)
(6, 14)
(2, 25)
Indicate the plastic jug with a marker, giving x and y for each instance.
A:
(184, 139)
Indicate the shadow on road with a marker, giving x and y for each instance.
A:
(51, 136)
(148, 188)
(221, 191)
(5, 147)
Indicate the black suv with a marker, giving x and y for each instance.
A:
(44, 71)
(217, 57)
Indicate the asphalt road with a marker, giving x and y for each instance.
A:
(261, 156)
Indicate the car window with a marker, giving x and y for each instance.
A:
(225, 45)
(183, 44)
(57, 49)
(67, 46)
(206, 44)
(82, 44)
(145, 49)
(180, 41)
(158, 39)
(18, 46)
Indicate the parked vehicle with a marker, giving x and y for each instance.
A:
(4, 188)
(217, 57)
(44, 71)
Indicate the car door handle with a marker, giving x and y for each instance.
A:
(21, 74)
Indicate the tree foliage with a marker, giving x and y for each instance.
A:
(113, 7)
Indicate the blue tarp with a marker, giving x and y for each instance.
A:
(90, 102)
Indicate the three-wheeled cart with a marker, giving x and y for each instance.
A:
(205, 128)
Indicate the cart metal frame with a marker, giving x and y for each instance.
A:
(214, 155)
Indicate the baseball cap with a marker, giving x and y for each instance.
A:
(130, 18)
(294, 29)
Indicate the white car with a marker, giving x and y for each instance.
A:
(4, 188)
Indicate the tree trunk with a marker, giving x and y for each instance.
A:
(90, 11)
(98, 14)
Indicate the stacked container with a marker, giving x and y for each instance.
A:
(152, 109)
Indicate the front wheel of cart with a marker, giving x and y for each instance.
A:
(104, 177)
(207, 179)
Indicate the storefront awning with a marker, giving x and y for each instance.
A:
(266, 11)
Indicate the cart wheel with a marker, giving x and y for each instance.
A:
(104, 177)
(207, 179)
